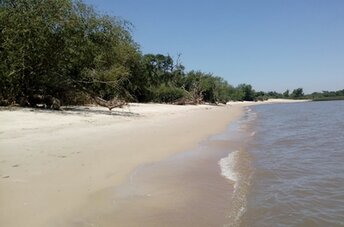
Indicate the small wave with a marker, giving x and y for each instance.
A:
(252, 116)
(253, 133)
(227, 165)
(236, 168)
(249, 116)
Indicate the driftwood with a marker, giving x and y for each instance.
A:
(110, 104)
(188, 101)
(113, 103)
(195, 98)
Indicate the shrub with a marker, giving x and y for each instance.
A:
(168, 94)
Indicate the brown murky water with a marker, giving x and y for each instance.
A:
(298, 152)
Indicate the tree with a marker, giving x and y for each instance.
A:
(30, 45)
(245, 92)
(157, 73)
(62, 47)
(297, 93)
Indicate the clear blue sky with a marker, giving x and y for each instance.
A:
(271, 44)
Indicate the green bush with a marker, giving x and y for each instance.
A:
(168, 94)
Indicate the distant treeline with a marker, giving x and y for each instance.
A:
(64, 52)
(299, 94)
(326, 95)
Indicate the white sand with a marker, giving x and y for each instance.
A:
(52, 162)
(270, 101)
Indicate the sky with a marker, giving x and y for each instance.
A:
(270, 44)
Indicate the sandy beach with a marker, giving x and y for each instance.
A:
(52, 162)
(53, 165)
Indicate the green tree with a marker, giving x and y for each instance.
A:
(160, 73)
(62, 47)
(30, 44)
(208, 88)
(297, 93)
(245, 92)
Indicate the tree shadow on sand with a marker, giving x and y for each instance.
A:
(77, 110)
(97, 110)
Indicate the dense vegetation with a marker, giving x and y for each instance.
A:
(62, 49)
(326, 95)
(64, 52)
(299, 94)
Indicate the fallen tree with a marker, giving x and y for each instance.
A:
(110, 104)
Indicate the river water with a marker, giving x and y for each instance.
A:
(297, 165)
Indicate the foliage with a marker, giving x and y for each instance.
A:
(328, 98)
(326, 95)
(207, 87)
(297, 93)
(244, 92)
(168, 94)
(53, 47)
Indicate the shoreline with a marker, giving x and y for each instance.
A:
(51, 163)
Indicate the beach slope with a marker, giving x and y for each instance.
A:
(53, 162)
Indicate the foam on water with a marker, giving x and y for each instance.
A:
(236, 166)
(240, 176)
(227, 165)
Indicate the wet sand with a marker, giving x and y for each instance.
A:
(183, 190)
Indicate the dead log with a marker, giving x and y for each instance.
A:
(113, 103)
(189, 101)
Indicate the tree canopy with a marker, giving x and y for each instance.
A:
(62, 47)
